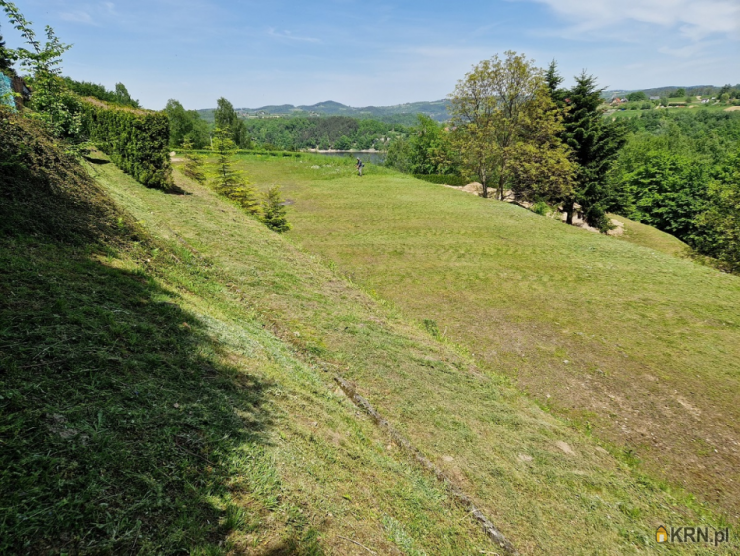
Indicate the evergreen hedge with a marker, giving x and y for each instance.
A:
(137, 141)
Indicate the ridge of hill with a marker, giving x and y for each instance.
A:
(399, 113)
(668, 90)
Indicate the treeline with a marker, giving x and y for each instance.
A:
(118, 96)
(516, 130)
(680, 172)
(733, 92)
(328, 132)
(187, 127)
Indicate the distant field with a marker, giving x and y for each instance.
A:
(672, 109)
(636, 346)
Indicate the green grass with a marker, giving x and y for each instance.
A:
(168, 388)
(146, 407)
(473, 424)
(647, 236)
(638, 347)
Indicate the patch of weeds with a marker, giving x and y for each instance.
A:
(431, 327)
(398, 535)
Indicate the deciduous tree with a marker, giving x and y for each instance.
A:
(51, 100)
(227, 119)
(123, 96)
(506, 129)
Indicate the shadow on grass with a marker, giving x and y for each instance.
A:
(118, 426)
(97, 161)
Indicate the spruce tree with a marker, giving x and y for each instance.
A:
(193, 167)
(228, 181)
(274, 214)
(553, 81)
(594, 144)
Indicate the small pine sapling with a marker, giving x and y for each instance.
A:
(274, 213)
(229, 182)
(193, 167)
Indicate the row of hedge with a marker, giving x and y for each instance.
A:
(442, 179)
(136, 140)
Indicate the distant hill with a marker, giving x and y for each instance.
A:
(399, 113)
(406, 113)
(668, 91)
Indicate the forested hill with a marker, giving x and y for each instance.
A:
(669, 91)
(400, 113)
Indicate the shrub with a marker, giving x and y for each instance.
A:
(443, 179)
(541, 208)
(193, 167)
(136, 140)
(228, 181)
(273, 210)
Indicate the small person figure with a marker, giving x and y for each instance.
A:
(359, 167)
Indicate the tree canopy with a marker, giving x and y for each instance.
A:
(228, 120)
(506, 129)
(594, 143)
(186, 126)
(6, 62)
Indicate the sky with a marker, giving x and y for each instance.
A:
(359, 53)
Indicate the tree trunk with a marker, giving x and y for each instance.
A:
(484, 184)
(569, 208)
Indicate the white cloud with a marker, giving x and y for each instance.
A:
(78, 16)
(695, 19)
(288, 35)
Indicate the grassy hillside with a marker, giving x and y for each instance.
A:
(545, 485)
(168, 387)
(652, 238)
(639, 348)
(147, 407)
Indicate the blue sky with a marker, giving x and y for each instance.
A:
(386, 52)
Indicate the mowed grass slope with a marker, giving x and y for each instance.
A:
(548, 487)
(147, 408)
(647, 236)
(634, 345)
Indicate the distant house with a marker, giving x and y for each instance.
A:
(654, 97)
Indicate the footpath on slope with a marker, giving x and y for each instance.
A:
(547, 487)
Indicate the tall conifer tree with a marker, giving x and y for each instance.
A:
(594, 143)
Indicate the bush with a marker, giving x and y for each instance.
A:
(443, 179)
(273, 210)
(541, 208)
(136, 140)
